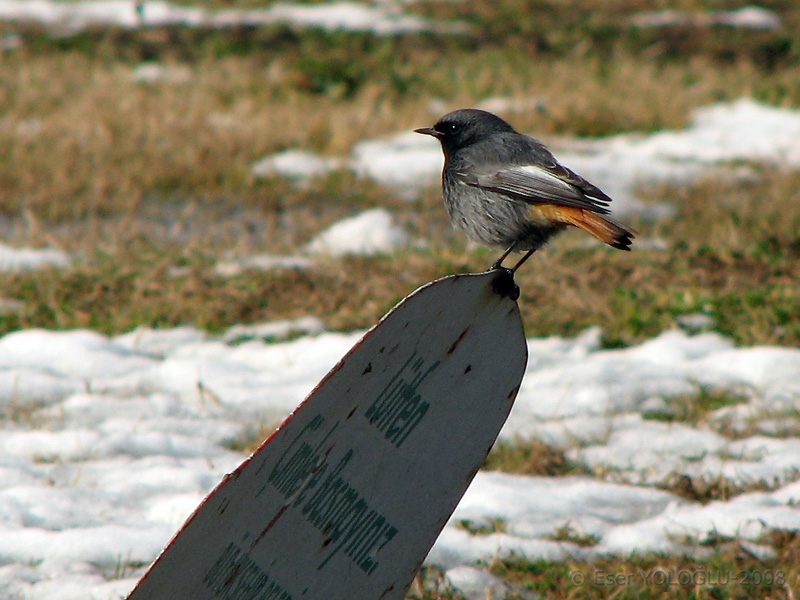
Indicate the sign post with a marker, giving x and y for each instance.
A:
(346, 498)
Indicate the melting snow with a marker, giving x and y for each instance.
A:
(351, 16)
(371, 232)
(14, 260)
(109, 443)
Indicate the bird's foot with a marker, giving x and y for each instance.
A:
(503, 283)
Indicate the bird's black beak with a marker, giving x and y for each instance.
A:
(429, 131)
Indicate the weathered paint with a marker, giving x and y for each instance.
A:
(345, 499)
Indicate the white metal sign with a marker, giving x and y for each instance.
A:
(346, 498)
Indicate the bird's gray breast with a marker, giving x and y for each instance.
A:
(487, 217)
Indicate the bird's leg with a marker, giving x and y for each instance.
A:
(522, 260)
(499, 262)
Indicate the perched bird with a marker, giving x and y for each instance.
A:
(506, 189)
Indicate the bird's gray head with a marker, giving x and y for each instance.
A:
(464, 127)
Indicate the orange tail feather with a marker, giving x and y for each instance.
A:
(604, 229)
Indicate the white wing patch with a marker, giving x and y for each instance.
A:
(541, 174)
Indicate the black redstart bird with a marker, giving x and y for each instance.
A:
(506, 189)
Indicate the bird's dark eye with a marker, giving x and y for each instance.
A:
(447, 129)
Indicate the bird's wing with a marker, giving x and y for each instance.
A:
(550, 183)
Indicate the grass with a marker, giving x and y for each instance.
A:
(529, 457)
(140, 179)
(148, 185)
(431, 584)
(696, 409)
(483, 528)
(729, 255)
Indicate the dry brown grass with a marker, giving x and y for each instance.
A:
(531, 457)
(82, 136)
(138, 179)
(745, 281)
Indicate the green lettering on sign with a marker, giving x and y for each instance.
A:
(399, 408)
(328, 500)
(236, 576)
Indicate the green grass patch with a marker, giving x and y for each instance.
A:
(695, 409)
(529, 457)
(569, 534)
(482, 528)
(431, 584)
(717, 489)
